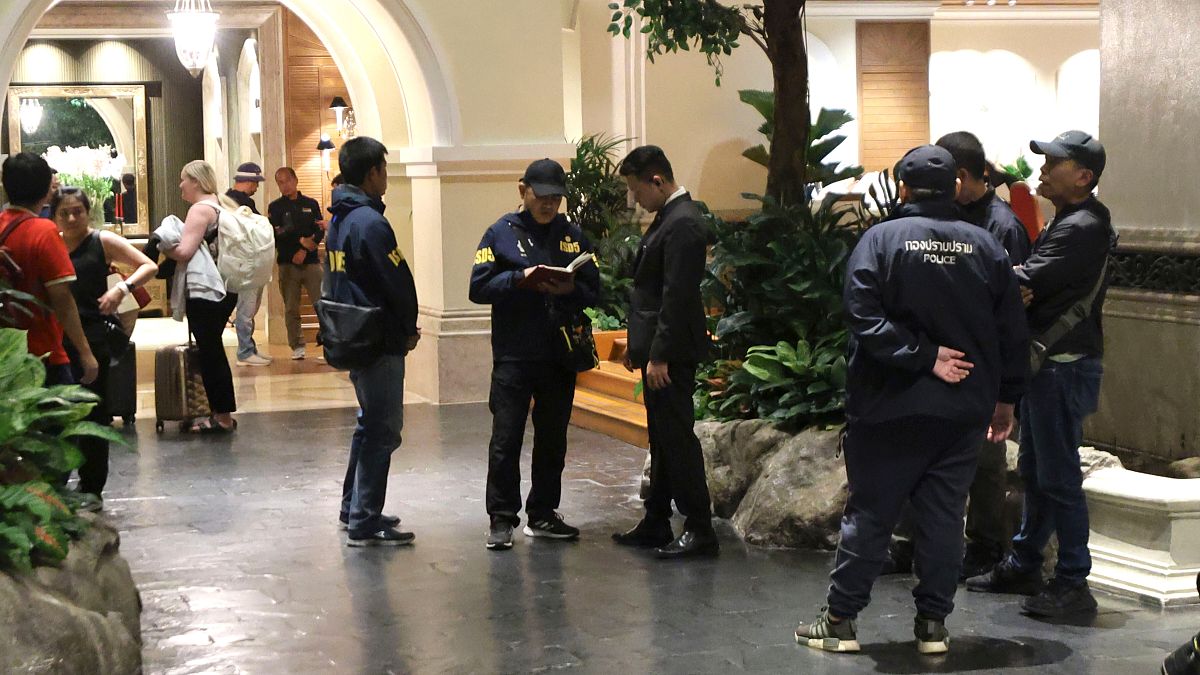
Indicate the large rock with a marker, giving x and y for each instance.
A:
(82, 617)
(734, 455)
(1184, 468)
(797, 499)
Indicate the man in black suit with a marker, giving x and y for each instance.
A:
(667, 338)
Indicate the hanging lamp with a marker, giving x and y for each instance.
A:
(194, 25)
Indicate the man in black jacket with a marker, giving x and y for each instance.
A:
(298, 221)
(982, 207)
(367, 269)
(667, 339)
(525, 363)
(937, 360)
(1065, 275)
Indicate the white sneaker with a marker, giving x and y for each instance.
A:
(254, 360)
(298, 353)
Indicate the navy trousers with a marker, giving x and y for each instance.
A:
(928, 462)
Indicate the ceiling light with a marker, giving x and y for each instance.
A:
(31, 115)
(194, 25)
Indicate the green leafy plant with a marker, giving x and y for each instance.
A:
(774, 292)
(791, 384)
(823, 138)
(597, 201)
(37, 425)
(1019, 169)
(601, 320)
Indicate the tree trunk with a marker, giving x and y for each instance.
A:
(789, 65)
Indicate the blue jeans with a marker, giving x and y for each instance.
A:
(243, 321)
(380, 391)
(1060, 396)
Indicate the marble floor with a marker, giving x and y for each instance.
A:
(233, 543)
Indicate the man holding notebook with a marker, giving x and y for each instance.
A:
(513, 272)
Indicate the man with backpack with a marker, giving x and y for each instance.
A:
(34, 260)
(367, 270)
(245, 185)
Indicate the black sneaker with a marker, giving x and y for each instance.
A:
(384, 520)
(1183, 661)
(1061, 598)
(979, 560)
(388, 536)
(1006, 578)
(550, 526)
(899, 560)
(828, 636)
(932, 636)
(500, 535)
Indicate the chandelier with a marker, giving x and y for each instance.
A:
(31, 115)
(194, 25)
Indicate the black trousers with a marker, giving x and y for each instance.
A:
(676, 461)
(928, 462)
(551, 388)
(93, 473)
(207, 321)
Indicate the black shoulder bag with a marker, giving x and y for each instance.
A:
(1039, 345)
(352, 335)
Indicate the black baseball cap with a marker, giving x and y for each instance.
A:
(546, 177)
(929, 167)
(1077, 145)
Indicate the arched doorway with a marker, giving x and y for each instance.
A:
(388, 59)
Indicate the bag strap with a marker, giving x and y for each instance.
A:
(1071, 318)
(12, 225)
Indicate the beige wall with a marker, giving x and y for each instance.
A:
(1000, 80)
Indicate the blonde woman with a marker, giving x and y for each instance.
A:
(92, 252)
(207, 317)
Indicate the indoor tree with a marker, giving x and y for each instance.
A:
(714, 29)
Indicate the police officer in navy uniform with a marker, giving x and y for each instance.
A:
(525, 363)
(979, 205)
(938, 357)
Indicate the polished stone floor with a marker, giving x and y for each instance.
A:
(233, 543)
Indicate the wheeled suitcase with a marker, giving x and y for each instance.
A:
(121, 394)
(178, 390)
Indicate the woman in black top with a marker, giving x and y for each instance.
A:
(92, 252)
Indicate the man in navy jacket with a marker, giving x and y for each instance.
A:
(367, 268)
(937, 360)
(525, 363)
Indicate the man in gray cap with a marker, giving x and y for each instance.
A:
(937, 359)
(245, 184)
(1063, 283)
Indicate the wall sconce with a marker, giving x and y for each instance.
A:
(326, 147)
(31, 115)
(345, 117)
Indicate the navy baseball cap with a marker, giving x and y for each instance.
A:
(929, 167)
(546, 177)
(248, 172)
(1077, 145)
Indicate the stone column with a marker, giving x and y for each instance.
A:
(1149, 116)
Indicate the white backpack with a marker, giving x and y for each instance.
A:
(246, 246)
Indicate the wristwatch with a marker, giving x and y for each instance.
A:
(128, 287)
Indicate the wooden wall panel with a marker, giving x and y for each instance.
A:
(893, 90)
(312, 81)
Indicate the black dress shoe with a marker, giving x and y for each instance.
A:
(646, 535)
(690, 544)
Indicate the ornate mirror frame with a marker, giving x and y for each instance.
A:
(136, 92)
